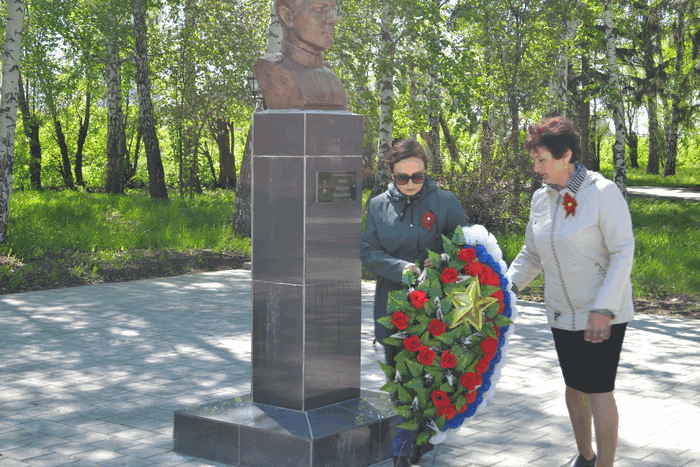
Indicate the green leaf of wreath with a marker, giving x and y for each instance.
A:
(415, 384)
(440, 422)
(411, 425)
(435, 258)
(388, 370)
(393, 341)
(488, 290)
(458, 236)
(403, 410)
(503, 321)
(390, 386)
(423, 438)
(385, 321)
(415, 368)
(404, 396)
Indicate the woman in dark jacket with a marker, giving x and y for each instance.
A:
(402, 223)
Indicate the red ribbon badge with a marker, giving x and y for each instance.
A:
(428, 220)
(569, 204)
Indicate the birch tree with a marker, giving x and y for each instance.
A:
(115, 181)
(620, 176)
(650, 30)
(156, 174)
(559, 83)
(386, 97)
(242, 216)
(679, 88)
(8, 107)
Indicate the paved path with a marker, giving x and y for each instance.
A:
(664, 192)
(90, 376)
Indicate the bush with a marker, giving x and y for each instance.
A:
(495, 194)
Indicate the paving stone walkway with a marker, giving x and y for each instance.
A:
(664, 192)
(90, 376)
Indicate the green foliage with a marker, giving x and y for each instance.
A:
(45, 222)
(667, 235)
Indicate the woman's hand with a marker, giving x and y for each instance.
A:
(412, 267)
(428, 263)
(597, 328)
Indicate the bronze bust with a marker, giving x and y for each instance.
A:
(297, 78)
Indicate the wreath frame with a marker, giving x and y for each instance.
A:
(447, 368)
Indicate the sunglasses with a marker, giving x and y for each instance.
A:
(402, 179)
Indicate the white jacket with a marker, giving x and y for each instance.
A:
(586, 258)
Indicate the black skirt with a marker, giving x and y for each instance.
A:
(588, 367)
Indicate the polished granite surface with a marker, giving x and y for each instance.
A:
(238, 431)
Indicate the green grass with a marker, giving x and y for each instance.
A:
(667, 258)
(48, 222)
(686, 177)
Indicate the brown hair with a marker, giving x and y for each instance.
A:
(556, 134)
(403, 149)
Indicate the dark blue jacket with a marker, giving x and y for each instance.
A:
(396, 235)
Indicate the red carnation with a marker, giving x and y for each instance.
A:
(470, 381)
(426, 356)
(448, 360)
(499, 295)
(483, 365)
(440, 398)
(449, 275)
(471, 397)
(449, 411)
(400, 320)
(412, 343)
(437, 327)
(489, 277)
(489, 347)
(418, 298)
(473, 269)
(467, 254)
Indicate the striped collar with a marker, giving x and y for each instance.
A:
(576, 181)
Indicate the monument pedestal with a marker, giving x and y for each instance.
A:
(306, 407)
(237, 431)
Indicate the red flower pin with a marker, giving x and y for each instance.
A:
(428, 220)
(569, 204)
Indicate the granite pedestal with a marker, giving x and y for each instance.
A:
(306, 406)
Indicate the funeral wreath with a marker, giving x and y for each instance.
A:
(452, 325)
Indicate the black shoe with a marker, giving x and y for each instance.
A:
(579, 461)
(402, 461)
(418, 452)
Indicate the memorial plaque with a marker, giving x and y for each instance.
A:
(335, 187)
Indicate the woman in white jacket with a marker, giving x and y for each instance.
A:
(580, 235)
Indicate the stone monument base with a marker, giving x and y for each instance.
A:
(356, 432)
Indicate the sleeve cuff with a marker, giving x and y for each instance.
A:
(605, 311)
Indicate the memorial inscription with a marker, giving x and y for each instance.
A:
(336, 187)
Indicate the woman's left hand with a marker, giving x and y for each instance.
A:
(598, 328)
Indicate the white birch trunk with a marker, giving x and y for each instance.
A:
(242, 214)
(116, 136)
(156, 173)
(386, 99)
(8, 109)
(559, 84)
(620, 177)
(274, 32)
(677, 94)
